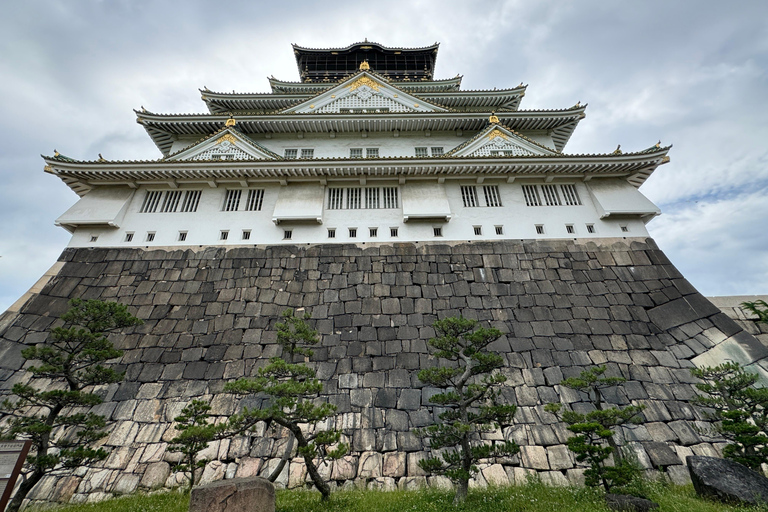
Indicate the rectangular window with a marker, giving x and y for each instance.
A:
(421, 152)
(590, 228)
(499, 230)
(255, 199)
(469, 196)
(182, 236)
(502, 152)
(551, 197)
(570, 196)
(94, 238)
(223, 235)
(478, 230)
(246, 234)
(287, 234)
(291, 153)
(355, 152)
(531, 193)
(331, 232)
(191, 200)
(151, 236)
(352, 232)
(437, 231)
(492, 197)
(151, 200)
(232, 200)
(624, 229)
(129, 237)
(171, 201)
(371, 198)
(570, 229)
(371, 152)
(539, 229)
(437, 151)
(335, 198)
(393, 232)
(353, 198)
(390, 197)
(373, 232)
(308, 153)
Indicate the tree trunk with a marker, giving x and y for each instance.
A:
(461, 491)
(23, 490)
(283, 461)
(323, 487)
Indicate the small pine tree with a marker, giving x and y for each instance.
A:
(72, 358)
(292, 391)
(194, 435)
(593, 442)
(471, 398)
(740, 408)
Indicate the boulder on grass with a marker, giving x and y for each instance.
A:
(727, 481)
(626, 503)
(236, 495)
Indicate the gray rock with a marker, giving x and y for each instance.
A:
(237, 495)
(727, 481)
(622, 502)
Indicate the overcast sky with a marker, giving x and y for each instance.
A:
(693, 74)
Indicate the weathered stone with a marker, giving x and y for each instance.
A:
(534, 457)
(370, 465)
(236, 495)
(727, 481)
(625, 503)
(495, 475)
(155, 475)
(394, 464)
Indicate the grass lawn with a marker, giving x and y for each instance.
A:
(527, 498)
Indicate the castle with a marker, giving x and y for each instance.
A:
(376, 198)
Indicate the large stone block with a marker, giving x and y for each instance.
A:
(236, 495)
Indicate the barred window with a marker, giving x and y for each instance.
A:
(371, 198)
(291, 153)
(353, 198)
(539, 229)
(287, 234)
(570, 196)
(129, 237)
(352, 232)
(492, 197)
(478, 230)
(393, 232)
(551, 196)
(182, 236)
(331, 232)
(246, 234)
(499, 230)
(355, 152)
(421, 152)
(437, 151)
(335, 198)
(255, 199)
(150, 236)
(373, 232)
(371, 152)
(590, 228)
(437, 231)
(390, 197)
(469, 196)
(151, 200)
(224, 235)
(570, 229)
(308, 153)
(191, 200)
(171, 201)
(232, 200)
(531, 193)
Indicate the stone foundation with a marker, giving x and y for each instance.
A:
(209, 318)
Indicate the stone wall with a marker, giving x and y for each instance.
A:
(209, 318)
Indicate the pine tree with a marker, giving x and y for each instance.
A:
(467, 374)
(54, 416)
(291, 389)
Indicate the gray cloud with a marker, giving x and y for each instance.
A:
(689, 74)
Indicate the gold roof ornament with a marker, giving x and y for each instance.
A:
(617, 151)
(56, 153)
(230, 122)
(493, 119)
(364, 66)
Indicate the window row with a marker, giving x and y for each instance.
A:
(571, 229)
(171, 201)
(551, 195)
(470, 198)
(359, 198)
(292, 153)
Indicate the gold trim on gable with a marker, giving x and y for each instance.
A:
(363, 80)
(226, 138)
(497, 133)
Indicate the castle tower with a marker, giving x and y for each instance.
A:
(378, 199)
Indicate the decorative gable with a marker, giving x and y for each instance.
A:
(363, 94)
(497, 140)
(225, 145)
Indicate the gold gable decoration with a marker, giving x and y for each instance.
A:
(226, 138)
(363, 81)
(364, 66)
(497, 133)
(230, 122)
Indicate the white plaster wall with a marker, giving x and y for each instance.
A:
(205, 225)
(389, 146)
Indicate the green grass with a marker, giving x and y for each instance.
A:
(528, 498)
